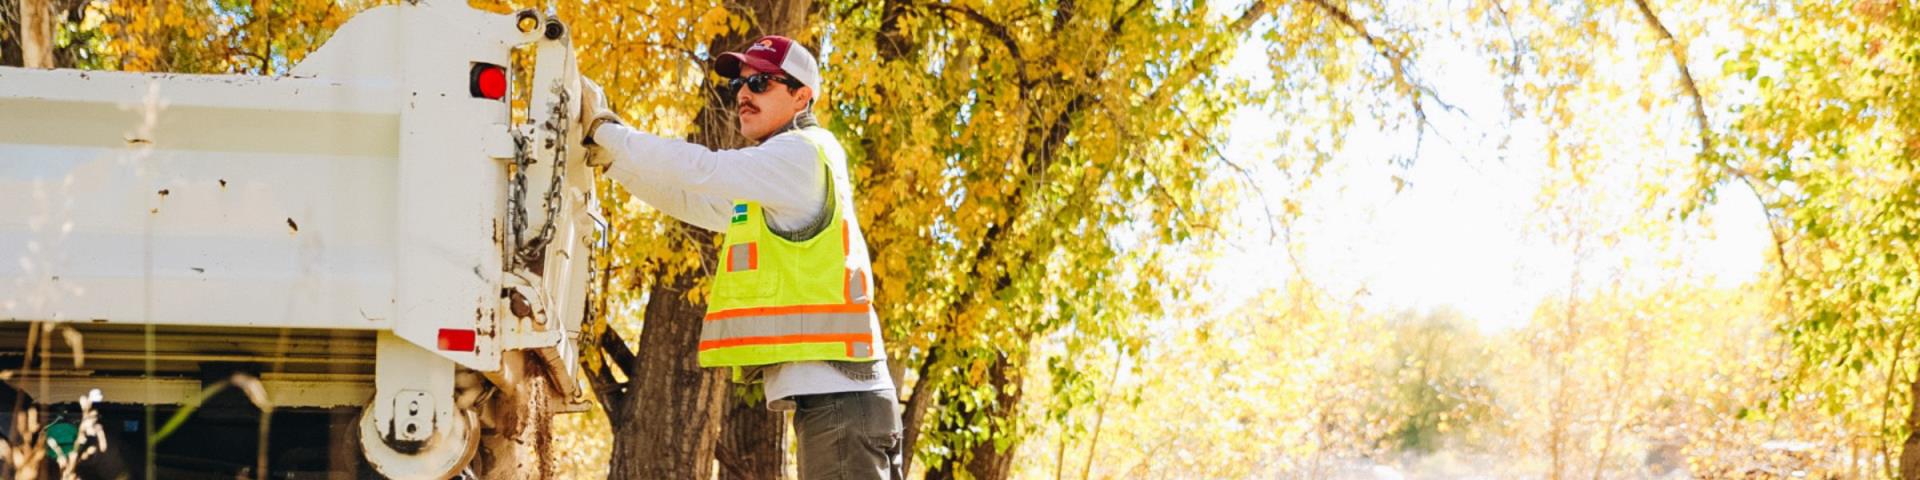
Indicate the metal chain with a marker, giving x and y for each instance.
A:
(517, 192)
(594, 321)
(558, 122)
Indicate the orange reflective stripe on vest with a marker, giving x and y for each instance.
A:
(788, 310)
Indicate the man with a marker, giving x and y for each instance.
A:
(791, 296)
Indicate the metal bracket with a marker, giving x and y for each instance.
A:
(412, 420)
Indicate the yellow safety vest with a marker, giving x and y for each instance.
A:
(776, 300)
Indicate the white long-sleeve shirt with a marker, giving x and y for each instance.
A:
(699, 185)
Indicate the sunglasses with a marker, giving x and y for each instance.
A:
(760, 82)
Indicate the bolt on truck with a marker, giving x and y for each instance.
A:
(397, 263)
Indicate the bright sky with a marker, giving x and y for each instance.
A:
(1465, 234)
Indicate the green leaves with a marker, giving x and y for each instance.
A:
(1022, 157)
(1821, 134)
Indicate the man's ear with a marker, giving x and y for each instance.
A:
(805, 94)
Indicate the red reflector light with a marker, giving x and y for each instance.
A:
(456, 340)
(488, 81)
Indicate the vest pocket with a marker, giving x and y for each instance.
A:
(743, 273)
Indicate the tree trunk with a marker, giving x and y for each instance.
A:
(990, 462)
(667, 425)
(1910, 451)
(36, 33)
(10, 33)
(912, 418)
(752, 442)
(670, 425)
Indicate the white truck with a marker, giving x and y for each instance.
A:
(375, 237)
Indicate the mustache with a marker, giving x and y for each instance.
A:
(743, 106)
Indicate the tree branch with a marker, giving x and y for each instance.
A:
(992, 27)
(1044, 140)
(1204, 61)
(1398, 60)
(614, 355)
(1273, 232)
(1063, 14)
(1679, 54)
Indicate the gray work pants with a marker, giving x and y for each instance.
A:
(848, 436)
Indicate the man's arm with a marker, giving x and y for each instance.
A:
(699, 185)
(704, 211)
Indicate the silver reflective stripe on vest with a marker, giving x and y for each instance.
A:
(856, 286)
(740, 257)
(786, 324)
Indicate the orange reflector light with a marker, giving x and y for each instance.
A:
(456, 340)
(488, 81)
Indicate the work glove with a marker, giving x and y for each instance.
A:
(593, 114)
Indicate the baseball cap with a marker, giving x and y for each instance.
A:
(774, 54)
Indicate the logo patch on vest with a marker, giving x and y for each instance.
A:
(739, 213)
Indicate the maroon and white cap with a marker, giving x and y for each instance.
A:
(774, 54)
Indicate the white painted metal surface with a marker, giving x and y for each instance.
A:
(368, 192)
(365, 192)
